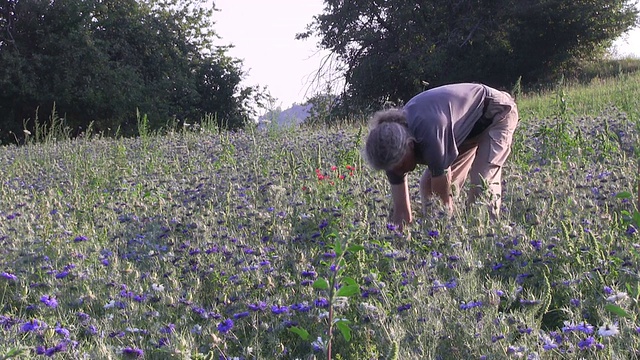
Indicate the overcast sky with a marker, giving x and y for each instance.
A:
(263, 33)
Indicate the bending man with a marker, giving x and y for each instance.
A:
(455, 130)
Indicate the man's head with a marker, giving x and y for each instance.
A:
(389, 145)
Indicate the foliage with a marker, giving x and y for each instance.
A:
(391, 49)
(101, 61)
(211, 244)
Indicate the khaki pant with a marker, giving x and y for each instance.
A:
(483, 156)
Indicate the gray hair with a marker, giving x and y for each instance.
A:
(388, 138)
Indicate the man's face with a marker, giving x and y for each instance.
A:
(408, 162)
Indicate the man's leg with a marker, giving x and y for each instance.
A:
(494, 146)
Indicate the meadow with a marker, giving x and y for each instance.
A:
(275, 244)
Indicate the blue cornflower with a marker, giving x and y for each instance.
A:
(241, 315)
(49, 301)
(62, 346)
(62, 331)
(259, 306)
(309, 274)
(537, 244)
(132, 352)
(63, 274)
(470, 305)
(451, 284)
(276, 309)
(587, 343)
(168, 329)
(8, 276)
(225, 326)
(321, 303)
(32, 325)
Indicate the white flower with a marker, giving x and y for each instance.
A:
(319, 344)
(323, 315)
(110, 304)
(366, 307)
(157, 288)
(341, 302)
(618, 297)
(608, 330)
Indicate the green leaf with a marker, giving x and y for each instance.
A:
(13, 352)
(337, 247)
(624, 195)
(349, 281)
(344, 329)
(636, 218)
(617, 310)
(355, 248)
(348, 290)
(304, 334)
(321, 284)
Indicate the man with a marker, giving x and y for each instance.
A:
(455, 130)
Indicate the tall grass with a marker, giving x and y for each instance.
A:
(275, 244)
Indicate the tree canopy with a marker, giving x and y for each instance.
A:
(391, 49)
(101, 61)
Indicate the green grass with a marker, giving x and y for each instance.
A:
(253, 244)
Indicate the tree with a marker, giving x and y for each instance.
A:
(101, 61)
(390, 49)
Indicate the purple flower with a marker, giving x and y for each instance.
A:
(433, 233)
(587, 343)
(391, 227)
(32, 325)
(309, 274)
(132, 352)
(62, 346)
(168, 329)
(225, 326)
(404, 307)
(49, 301)
(451, 284)
(80, 238)
(8, 276)
(321, 303)
(62, 331)
(276, 309)
(241, 315)
(260, 306)
(470, 305)
(63, 274)
(537, 244)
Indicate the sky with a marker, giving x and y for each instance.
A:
(263, 35)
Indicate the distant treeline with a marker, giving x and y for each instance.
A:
(101, 62)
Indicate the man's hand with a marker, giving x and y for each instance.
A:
(441, 186)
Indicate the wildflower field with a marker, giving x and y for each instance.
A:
(275, 244)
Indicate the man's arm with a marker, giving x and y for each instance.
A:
(441, 186)
(401, 204)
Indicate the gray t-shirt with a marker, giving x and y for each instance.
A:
(441, 119)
